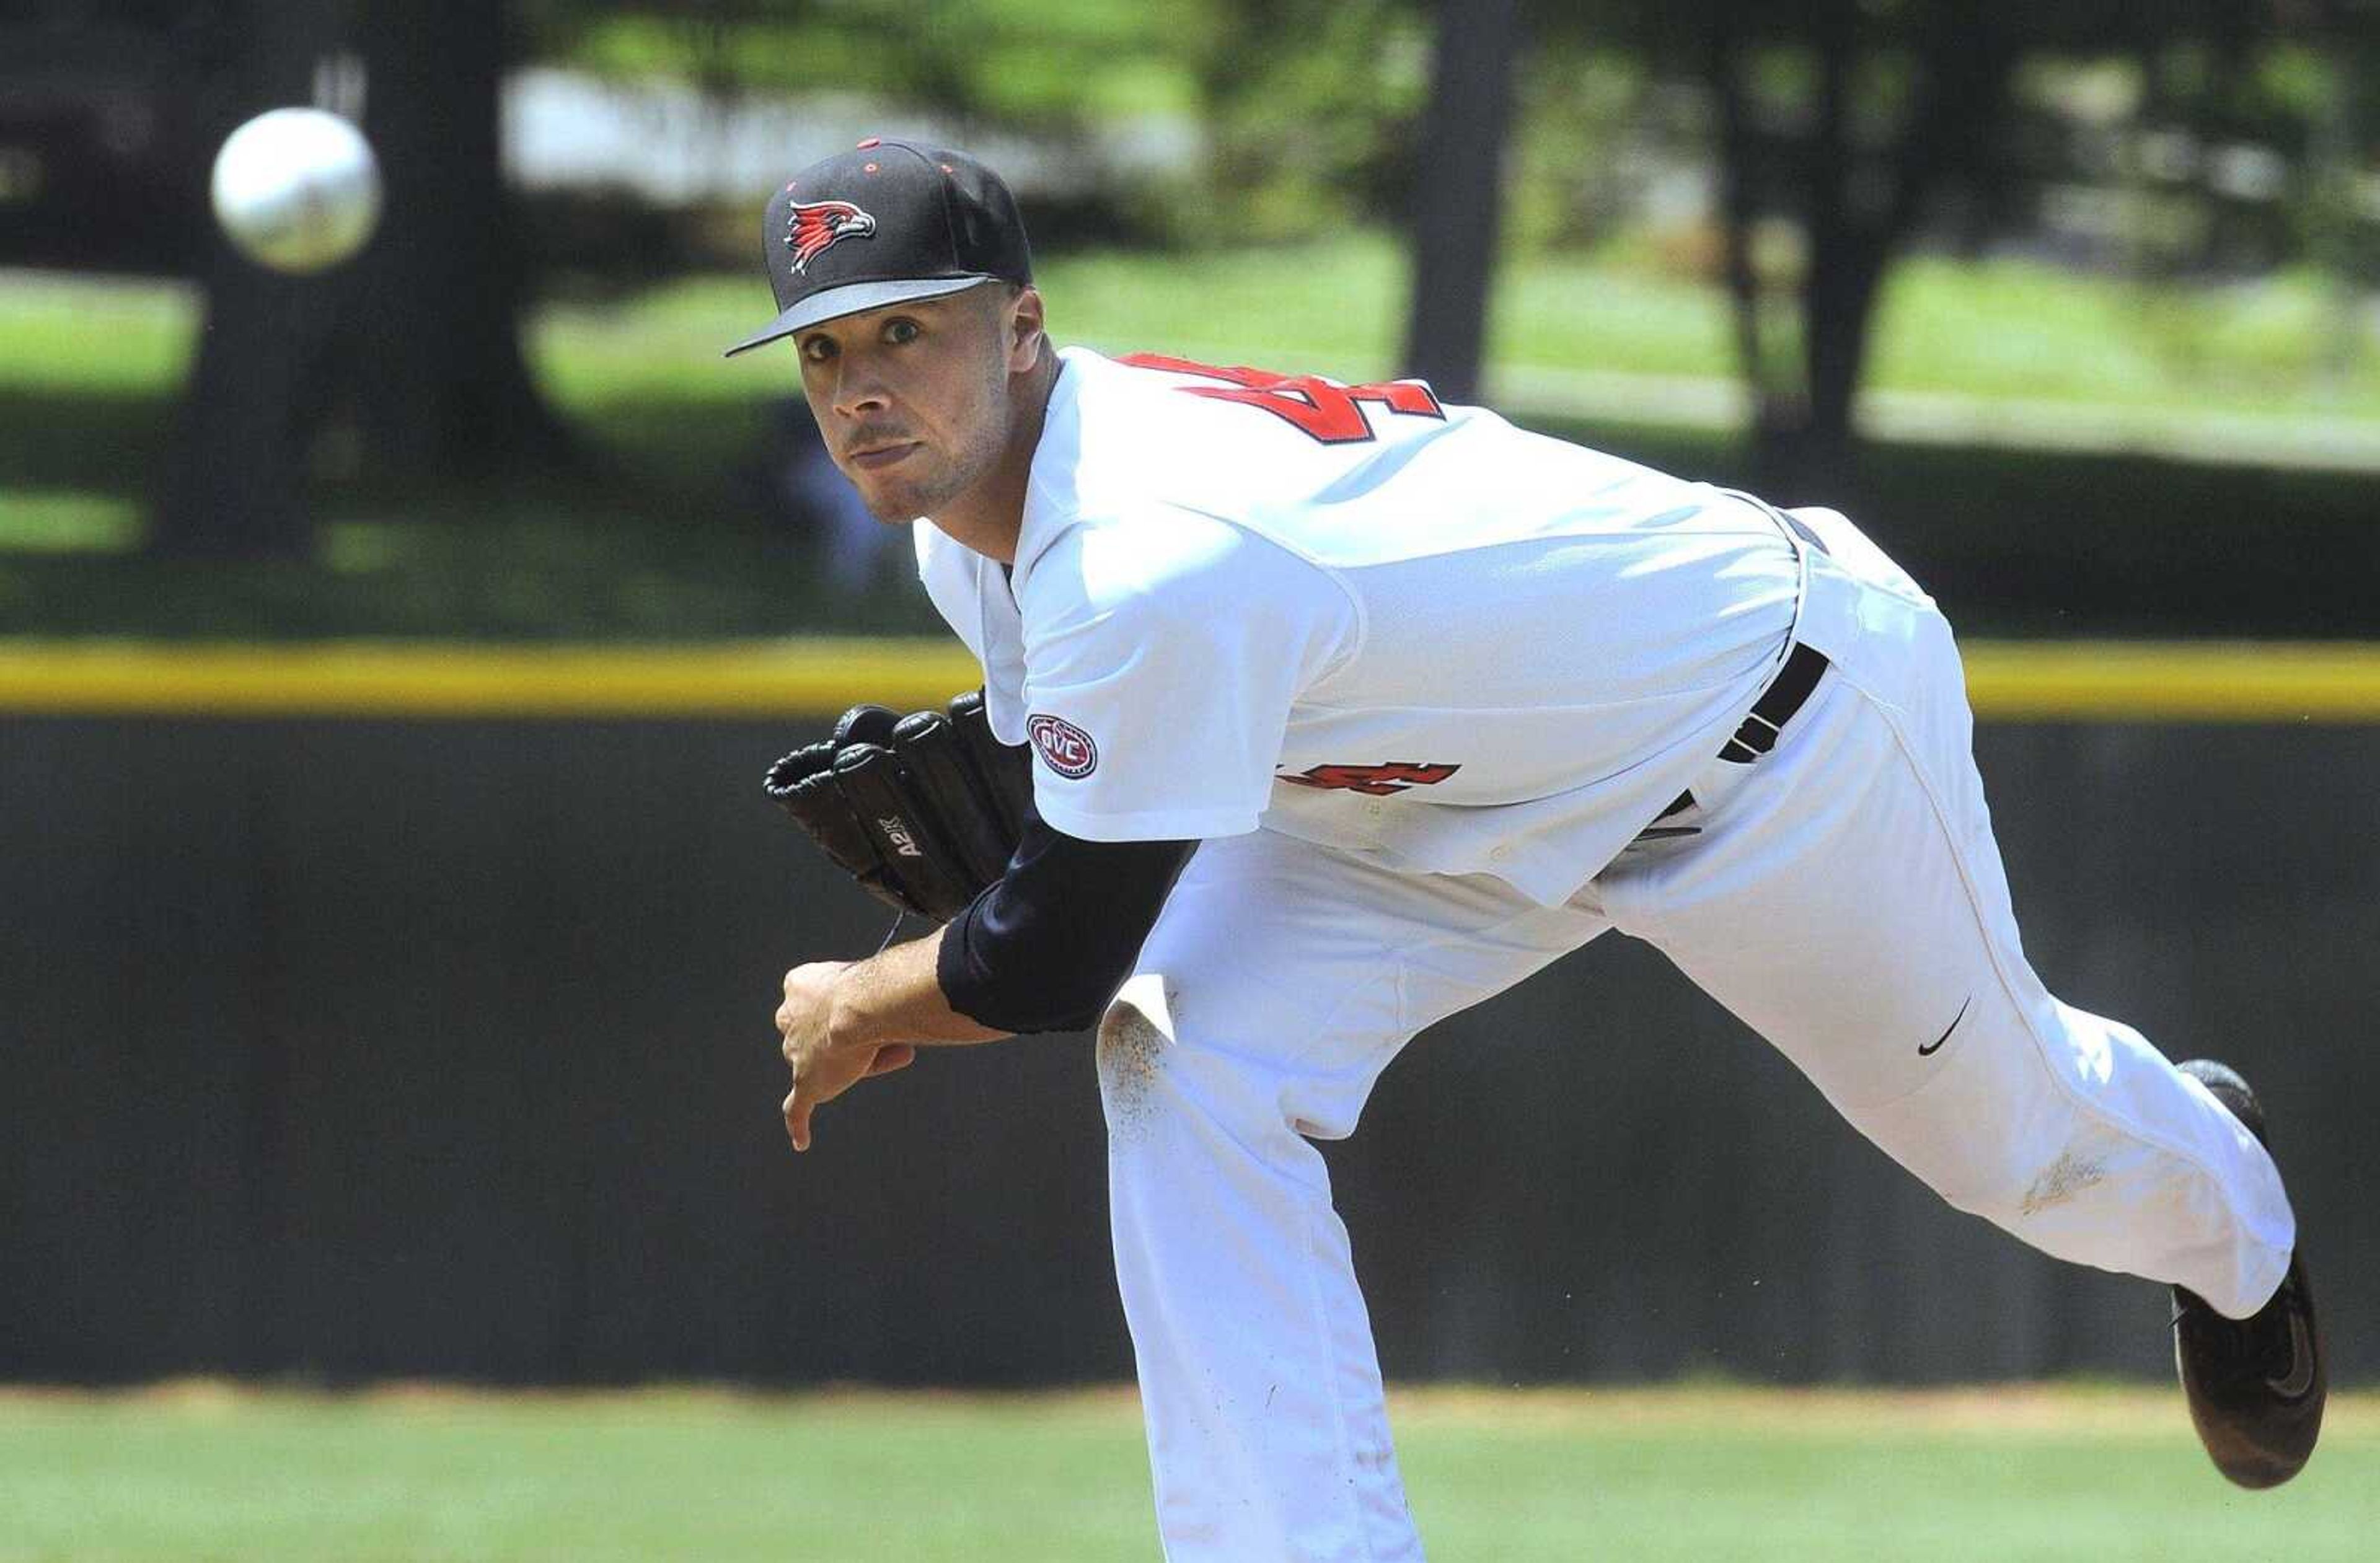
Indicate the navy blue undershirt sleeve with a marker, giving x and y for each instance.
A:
(1046, 945)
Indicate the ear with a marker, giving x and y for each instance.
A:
(1026, 326)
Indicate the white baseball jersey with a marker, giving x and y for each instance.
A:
(1358, 617)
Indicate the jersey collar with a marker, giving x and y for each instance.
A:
(1050, 502)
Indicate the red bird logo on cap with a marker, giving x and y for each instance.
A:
(812, 227)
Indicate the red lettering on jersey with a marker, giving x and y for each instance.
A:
(1372, 781)
(1324, 408)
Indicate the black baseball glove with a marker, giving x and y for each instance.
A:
(923, 810)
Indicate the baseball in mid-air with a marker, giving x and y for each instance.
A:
(297, 190)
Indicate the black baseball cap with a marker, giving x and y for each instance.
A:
(886, 222)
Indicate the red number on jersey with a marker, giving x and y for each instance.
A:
(1324, 408)
(1373, 780)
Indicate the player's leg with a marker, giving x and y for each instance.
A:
(1279, 981)
(1847, 901)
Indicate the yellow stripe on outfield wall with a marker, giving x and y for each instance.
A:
(753, 678)
(2185, 680)
(2009, 681)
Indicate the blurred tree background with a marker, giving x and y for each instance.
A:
(2074, 306)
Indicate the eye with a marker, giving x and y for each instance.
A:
(900, 329)
(817, 349)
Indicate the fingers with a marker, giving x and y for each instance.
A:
(822, 1070)
(801, 1102)
(797, 1120)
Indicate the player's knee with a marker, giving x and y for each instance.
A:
(1978, 1150)
(1155, 1072)
(1131, 1050)
(2011, 1178)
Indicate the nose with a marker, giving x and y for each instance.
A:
(859, 388)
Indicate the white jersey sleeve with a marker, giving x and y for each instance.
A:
(1162, 653)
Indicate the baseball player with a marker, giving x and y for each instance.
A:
(1348, 709)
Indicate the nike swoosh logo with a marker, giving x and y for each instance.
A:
(1929, 1052)
(2301, 1378)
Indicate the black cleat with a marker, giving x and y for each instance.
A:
(2256, 1385)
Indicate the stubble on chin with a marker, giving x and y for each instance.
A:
(902, 496)
(889, 509)
(897, 505)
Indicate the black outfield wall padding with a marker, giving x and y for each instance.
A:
(352, 1048)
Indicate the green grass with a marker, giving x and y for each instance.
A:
(2014, 329)
(1701, 1474)
(73, 335)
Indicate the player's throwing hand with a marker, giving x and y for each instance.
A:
(821, 1070)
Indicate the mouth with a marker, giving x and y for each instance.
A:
(878, 456)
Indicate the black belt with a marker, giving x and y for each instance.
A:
(1790, 690)
(1785, 694)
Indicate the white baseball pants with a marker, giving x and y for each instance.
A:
(1844, 899)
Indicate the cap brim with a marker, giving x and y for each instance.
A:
(854, 298)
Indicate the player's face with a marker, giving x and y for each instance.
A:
(916, 401)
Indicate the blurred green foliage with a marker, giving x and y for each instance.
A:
(1303, 111)
(1045, 64)
(1301, 107)
(1312, 105)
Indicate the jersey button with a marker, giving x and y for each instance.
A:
(1376, 810)
(1498, 853)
